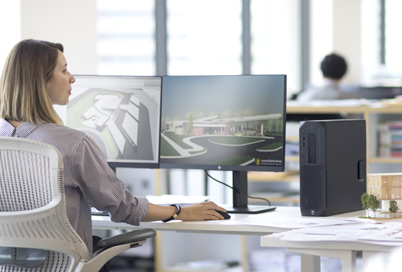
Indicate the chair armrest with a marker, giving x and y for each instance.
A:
(127, 238)
(112, 246)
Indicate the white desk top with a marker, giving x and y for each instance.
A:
(282, 219)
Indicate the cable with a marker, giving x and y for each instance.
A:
(260, 198)
(237, 190)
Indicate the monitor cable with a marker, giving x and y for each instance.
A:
(252, 197)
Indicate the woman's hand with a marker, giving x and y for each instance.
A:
(197, 212)
(201, 211)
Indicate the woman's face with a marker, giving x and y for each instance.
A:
(59, 84)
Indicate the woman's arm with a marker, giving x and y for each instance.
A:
(196, 212)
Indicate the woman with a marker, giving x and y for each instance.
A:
(35, 78)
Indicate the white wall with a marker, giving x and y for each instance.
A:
(336, 27)
(9, 27)
(347, 36)
(72, 23)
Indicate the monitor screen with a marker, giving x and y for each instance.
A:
(121, 114)
(223, 122)
(234, 123)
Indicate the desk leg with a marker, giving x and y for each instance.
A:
(310, 263)
(158, 251)
(348, 258)
(348, 261)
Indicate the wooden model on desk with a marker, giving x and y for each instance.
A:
(387, 188)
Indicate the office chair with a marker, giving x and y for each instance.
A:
(35, 234)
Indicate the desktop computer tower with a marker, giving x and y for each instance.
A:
(332, 166)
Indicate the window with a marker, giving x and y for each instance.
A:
(321, 37)
(275, 39)
(126, 37)
(371, 52)
(393, 39)
(381, 44)
(204, 37)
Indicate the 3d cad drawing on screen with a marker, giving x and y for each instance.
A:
(121, 114)
(197, 135)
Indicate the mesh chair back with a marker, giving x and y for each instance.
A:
(32, 205)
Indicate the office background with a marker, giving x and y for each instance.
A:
(177, 37)
(214, 37)
(180, 37)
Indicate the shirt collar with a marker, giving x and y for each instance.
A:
(330, 82)
(21, 131)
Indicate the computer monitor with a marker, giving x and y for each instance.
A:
(121, 114)
(233, 123)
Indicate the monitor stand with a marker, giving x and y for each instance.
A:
(240, 196)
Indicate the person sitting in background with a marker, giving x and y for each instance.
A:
(333, 68)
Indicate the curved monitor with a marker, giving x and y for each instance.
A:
(223, 122)
(121, 114)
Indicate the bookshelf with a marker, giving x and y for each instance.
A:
(374, 113)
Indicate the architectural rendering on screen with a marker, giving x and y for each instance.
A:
(120, 113)
(223, 121)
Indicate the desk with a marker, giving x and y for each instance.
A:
(236, 225)
(246, 224)
(242, 224)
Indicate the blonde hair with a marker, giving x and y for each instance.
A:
(23, 93)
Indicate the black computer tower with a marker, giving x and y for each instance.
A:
(332, 166)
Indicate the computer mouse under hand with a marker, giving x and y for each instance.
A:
(224, 214)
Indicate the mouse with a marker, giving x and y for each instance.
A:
(225, 215)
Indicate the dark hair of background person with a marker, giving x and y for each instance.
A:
(333, 66)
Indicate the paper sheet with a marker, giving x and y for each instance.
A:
(287, 223)
(387, 232)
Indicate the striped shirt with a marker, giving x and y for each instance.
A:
(88, 179)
